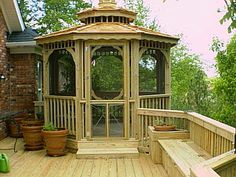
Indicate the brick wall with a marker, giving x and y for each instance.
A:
(23, 82)
(4, 85)
(17, 92)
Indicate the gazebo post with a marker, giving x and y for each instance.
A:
(78, 89)
(235, 142)
(46, 55)
(135, 84)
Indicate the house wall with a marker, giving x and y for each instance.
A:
(18, 91)
(23, 82)
(4, 84)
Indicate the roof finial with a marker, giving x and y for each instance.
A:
(103, 3)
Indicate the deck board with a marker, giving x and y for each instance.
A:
(37, 164)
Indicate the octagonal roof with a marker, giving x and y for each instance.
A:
(107, 30)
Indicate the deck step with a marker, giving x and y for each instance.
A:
(107, 153)
(108, 144)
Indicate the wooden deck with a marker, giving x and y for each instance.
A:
(37, 164)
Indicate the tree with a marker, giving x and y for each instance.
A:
(25, 11)
(190, 89)
(230, 14)
(143, 12)
(51, 15)
(225, 85)
(189, 82)
(147, 74)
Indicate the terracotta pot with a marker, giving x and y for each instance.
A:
(15, 127)
(55, 142)
(21, 115)
(164, 127)
(32, 122)
(3, 130)
(33, 137)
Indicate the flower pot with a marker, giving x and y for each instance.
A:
(164, 127)
(33, 137)
(32, 122)
(3, 129)
(55, 141)
(15, 127)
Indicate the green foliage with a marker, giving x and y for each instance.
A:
(225, 85)
(160, 122)
(217, 45)
(51, 15)
(107, 74)
(49, 127)
(68, 74)
(62, 73)
(142, 14)
(147, 74)
(230, 14)
(189, 82)
(25, 11)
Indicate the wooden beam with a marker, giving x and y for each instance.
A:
(87, 60)
(161, 112)
(135, 83)
(215, 126)
(77, 59)
(126, 88)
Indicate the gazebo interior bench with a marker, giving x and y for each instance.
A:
(179, 155)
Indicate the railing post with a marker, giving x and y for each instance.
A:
(235, 142)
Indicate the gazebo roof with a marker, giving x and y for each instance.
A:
(105, 30)
(106, 11)
(96, 28)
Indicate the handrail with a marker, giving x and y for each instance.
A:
(216, 138)
(210, 168)
(217, 127)
(61, 111)
(162, 112)
(154, 96)
(60, 97)
(157, 101)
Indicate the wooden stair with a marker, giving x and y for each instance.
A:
(108, 149)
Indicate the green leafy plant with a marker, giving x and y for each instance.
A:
(161, 122)
(49, 127)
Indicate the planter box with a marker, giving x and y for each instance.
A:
(155, 149)
(3, 129)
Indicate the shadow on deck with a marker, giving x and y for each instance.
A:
(37, 164)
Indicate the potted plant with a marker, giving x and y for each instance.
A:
(40, 115)
(54, 139)
(161, 125)
(31, 129)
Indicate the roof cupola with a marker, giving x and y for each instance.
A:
(104, 3)
(107, 11)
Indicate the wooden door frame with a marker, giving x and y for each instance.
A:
(126, 75)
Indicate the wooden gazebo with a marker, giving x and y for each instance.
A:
(91, 73)
(97, 83)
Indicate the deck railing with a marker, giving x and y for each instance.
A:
(38, 107)
(223, 165)
(150, 117)
(214, 137)
(158, 101)
(61, 112)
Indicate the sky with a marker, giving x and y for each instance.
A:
(197, 20)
